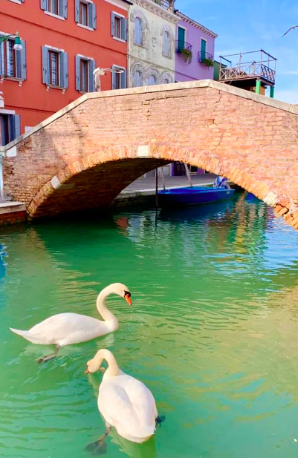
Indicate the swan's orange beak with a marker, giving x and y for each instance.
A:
(127, 297)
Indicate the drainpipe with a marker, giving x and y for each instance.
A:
(272, 92)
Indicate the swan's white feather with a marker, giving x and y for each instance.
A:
(65, 329)
(129, 406)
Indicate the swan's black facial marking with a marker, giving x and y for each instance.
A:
(127, 294)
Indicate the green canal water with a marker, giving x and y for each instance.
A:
(213, 331)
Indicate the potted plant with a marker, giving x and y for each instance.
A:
(208, 62)
(186, 54)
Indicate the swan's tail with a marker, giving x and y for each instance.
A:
(26, 335)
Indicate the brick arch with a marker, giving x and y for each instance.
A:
(64, 161)
(99, 182)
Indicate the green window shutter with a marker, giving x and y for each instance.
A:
(203, 49)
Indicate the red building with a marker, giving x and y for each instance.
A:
(63, 41)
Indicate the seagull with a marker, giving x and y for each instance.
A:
(293, 27)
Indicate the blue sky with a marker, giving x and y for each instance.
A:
(253, 25)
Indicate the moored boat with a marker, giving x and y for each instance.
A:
(193, 195)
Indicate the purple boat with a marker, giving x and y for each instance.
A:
(193, 195)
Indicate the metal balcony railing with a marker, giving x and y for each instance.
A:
(262, 65)
(180, 45)
(166, 4)
(202, 55)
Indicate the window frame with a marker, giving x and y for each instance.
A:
(19, 60)
(87, 6)
(122, 26)
(185, 35)
(168, 54)
(205, 40)
(91, 64)
(141, 31)
(119, 75)
(84, 62)
(60, 12)
(58, 54)
(50, 8)
(62, 68)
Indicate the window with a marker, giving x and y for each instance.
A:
(203, 48)
(118, 77)
(85, 13)
(56, 7)
(138, 78)
(10, 127)
(166, 44)
(138, 32)
(12, 63)
(53, 6)
(54, 67)
(152, 80)
(54, 76)
(118, 26)
(181, 38)
(84, 74)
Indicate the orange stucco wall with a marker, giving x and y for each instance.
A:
(31, 100)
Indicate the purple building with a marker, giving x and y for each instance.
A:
(194, 61)
(194, 50)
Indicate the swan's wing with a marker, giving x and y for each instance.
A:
(127, 404)
(64, 325)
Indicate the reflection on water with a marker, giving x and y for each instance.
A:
(213, 331)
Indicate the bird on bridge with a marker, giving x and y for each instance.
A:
(291, 28)
(71, 328)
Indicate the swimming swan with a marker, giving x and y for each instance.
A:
(71, 328)
(124, 402)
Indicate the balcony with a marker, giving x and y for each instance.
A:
(166, 4)
(203, 55)
(185, 50)
(261, 65)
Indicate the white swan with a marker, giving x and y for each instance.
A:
(124, 402)
(71, 328)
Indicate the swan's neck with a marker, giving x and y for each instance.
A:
(113, 369)
(103, 310)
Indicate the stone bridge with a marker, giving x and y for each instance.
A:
(84, 155)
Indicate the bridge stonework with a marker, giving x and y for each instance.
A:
(85, 154)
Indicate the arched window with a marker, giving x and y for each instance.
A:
(138, 78)
(152, 80)
(166, 81)
(138, 32)
(166, 44)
